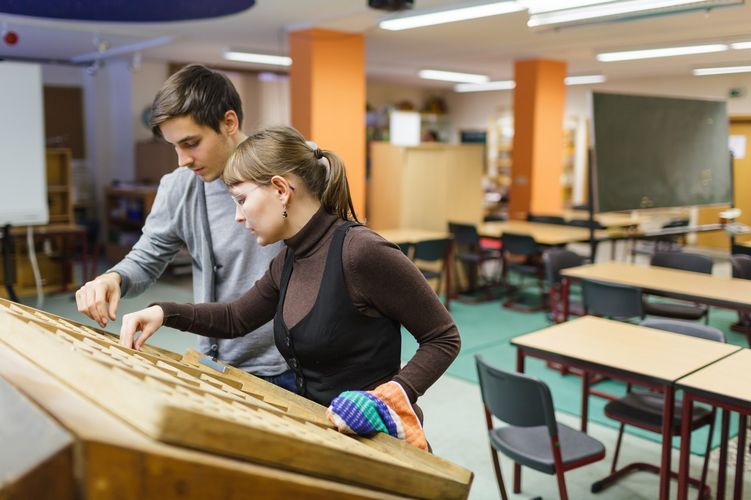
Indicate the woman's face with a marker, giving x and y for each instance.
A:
(260, 208)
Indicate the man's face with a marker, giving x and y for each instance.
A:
(198, 147)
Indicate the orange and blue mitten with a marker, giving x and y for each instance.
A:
(384, 409)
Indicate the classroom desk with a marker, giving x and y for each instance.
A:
(606, 219)
(412, 236)
(626, 352)
(730, 293)
(544, 234)
(725, 384)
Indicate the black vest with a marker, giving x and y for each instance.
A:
(335, 347)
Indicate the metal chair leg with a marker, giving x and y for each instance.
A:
(498, 474)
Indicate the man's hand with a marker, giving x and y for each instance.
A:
(98, 299)
(147, 321)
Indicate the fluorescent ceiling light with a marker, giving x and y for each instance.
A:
(234, 55)
(481, 87)
(584, 79)
(567, 15)
(540, 6)
(450, 16)
(740, 45)
(452, 76)
(722, 70)
(630, 55)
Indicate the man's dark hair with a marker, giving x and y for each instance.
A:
(196, 91)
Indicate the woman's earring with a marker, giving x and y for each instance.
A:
(284, 214)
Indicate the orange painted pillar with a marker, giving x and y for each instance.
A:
(537, 161)
(327, 86)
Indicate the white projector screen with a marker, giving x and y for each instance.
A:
(23, 188)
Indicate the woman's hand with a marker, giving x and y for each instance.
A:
(147, 321)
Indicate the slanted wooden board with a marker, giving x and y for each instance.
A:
(187, 405)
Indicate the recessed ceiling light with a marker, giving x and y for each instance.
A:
(450, 16)
(740, 45)
(249, 57)
(630, 55)
(722, 70)
(486, 86)
(584, 79)
(452, 76)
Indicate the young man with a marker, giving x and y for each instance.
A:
(199, 112)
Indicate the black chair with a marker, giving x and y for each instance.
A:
(546, 219)
(662, 243)
(523, 256)
(680, 309)
(533, 438)
(406, 248)
(431, 251)
(470, 252)
(554, 261)
(741, 265)
(611, 300)
(644, 410)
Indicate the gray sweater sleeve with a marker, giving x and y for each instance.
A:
(158, 244)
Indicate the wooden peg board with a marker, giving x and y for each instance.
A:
(189, 404)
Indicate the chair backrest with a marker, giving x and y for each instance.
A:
(741, 264)
(611, 300)
(519, 244)
(546, 219)
(686, 328)
(430, 250)
(683, 261)
(556, 259)
(464, 234)
(405, 248)
(515, 398)
(585, 223)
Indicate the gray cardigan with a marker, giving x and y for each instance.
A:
(180, 216)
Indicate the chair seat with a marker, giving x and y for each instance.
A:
(645, 410)
(430, 275)
(526, 269)
(676, 310)
(530, 446)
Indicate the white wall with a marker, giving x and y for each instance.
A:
(146, 80)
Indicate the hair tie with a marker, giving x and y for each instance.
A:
(322, 160)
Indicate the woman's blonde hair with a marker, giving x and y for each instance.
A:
(283, 150)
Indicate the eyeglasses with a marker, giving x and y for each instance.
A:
(240, 199)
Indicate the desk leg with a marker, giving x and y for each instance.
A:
(738, 490)
(667, 420)
(683, 469)
(447, 268)
(519, 360)
(722, 475)
(585, 400)
(565, 292)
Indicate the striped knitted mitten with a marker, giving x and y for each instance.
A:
(384, 409)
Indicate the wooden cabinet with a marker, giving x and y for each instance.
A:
(126, 208)
(425, 186)
(59, 185)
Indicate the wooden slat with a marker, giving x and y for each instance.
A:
(115, 461)
(36, 455)
(156, 396)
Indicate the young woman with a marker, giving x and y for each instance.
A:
(338, 293)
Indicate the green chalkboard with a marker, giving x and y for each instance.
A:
(652, 152)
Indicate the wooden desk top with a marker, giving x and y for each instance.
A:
(731, 291)
(626, 347)
(544, 234)
(727, 377)
(48, 230)
(408, 235)
(607, 219)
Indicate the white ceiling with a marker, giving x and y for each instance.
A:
(488, 45)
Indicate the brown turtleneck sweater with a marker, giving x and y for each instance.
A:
(380, 281)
